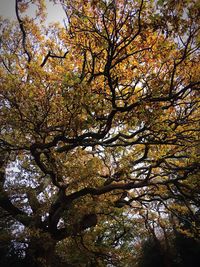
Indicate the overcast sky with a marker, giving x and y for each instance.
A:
(54, 12)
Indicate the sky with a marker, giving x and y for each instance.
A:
(54, 12)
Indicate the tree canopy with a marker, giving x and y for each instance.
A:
(100, 127)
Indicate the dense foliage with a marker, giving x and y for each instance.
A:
(100, 133)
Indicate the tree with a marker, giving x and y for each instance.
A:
(98, 118)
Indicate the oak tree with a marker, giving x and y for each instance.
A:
(99, 124)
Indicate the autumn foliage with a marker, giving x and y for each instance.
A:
(100, 128)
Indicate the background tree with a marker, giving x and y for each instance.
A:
(99, 122)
